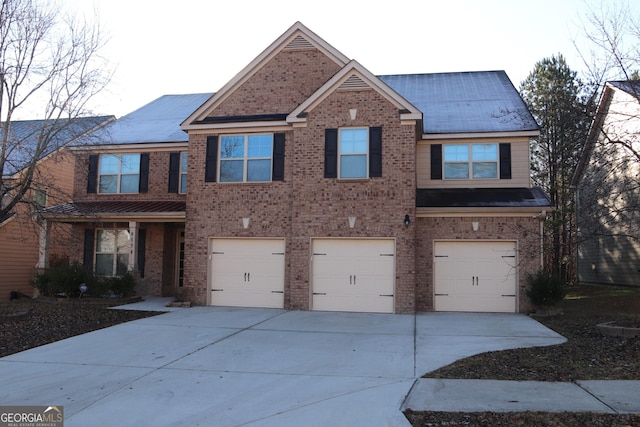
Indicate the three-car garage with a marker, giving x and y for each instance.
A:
(359, 274)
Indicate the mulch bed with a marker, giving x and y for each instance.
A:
(28, 323)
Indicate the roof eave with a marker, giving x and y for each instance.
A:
(529, 133)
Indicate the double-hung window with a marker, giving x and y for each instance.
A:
(112, 252)
(353, 153)
(470, 161)
(246, 158)
(183, 172)
(119, 173)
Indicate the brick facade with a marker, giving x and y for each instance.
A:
(523, 230)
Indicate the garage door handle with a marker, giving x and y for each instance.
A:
(382, 295)
(508, 295)
(319, 293)
(442, 295)
(217, 290)
(277, 292)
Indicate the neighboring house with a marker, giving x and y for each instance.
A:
(52, 184)
(128, 207)
(315, 185)
(608, 190)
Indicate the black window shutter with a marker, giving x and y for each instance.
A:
(436, 161)
(142, 247)
(144, 173)
(92, 178)
(375, 152)
(505, 161)
(211, 160)
(331, 153)
(87, 259)
(278, 157)
(174, 172)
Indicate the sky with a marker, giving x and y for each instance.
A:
(159, 47)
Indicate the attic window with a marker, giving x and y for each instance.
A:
(299, 42)
(354, 82)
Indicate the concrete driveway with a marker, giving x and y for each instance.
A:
(217, 366)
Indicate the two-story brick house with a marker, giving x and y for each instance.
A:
(314, 184)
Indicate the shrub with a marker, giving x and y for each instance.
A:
(63, 278)
(545, 289)
(123, 285)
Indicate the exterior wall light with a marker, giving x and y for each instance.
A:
(245, 222)
(407, 220)
(352, 221)
(475, 225)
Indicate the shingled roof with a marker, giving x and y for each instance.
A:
(24, 136)
(467, 102)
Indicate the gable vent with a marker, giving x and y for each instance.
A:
(299, 42)
(354, 82)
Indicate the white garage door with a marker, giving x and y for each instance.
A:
(353, 275)
(247, 272)
(475, 276)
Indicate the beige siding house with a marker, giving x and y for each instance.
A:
(608, 190)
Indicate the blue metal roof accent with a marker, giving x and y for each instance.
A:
(466, 102)
(24, 136)
(482, 198)
(157, 122)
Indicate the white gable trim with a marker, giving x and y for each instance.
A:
(289, 37)
(344, 77)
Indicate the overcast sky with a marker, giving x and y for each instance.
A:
(160, 47)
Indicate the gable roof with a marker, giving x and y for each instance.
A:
(25, 134)
(465, 102)
(632, 87)
(355, 75)
(155, 122)
(295, 37)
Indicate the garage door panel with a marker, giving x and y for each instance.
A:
(475, 276)
(247, 272)
(353, 275)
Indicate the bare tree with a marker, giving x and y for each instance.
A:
(607, 180)
(49, 69)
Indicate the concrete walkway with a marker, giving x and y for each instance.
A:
(220, 366)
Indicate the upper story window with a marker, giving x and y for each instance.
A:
(353, 153)
(246, 158)
(119, 173)
(470, 161)
(183, 172)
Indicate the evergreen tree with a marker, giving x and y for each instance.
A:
(556, 98)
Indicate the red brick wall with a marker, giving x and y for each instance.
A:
(307, 205)
(280, 85)
(524, 230)
(158, 180)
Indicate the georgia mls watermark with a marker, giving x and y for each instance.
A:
(31, 416)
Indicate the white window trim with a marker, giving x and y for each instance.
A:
(470, 162)
(366, 153)
(245, 159)
(115, 253)
(182, 175)
(119, 174)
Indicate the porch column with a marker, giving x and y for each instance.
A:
(43, 244)
(133, 246)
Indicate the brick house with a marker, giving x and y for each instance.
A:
(315, 185)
